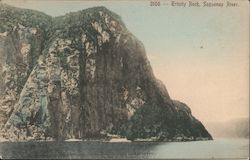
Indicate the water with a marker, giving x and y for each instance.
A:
(218, 148)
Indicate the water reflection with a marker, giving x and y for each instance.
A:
(221, 148)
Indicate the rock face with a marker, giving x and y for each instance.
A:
(82, 75)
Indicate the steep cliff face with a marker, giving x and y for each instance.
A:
(79, 76)
(22, 37)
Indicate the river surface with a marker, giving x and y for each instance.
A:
(218, 148)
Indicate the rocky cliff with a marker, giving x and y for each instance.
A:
(82, 75)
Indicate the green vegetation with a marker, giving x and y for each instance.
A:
(147, 122)
(11, 16)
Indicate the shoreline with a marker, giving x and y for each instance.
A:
(112, 140)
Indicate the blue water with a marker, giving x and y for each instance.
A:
(218, 148)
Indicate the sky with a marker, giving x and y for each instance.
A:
(200, 54)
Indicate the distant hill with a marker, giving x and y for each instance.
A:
(236, 128)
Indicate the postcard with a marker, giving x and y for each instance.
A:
(127, 79)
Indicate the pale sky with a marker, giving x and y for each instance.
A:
(200, 54)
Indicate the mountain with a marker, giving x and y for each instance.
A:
(235, 128)
(82, 75)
